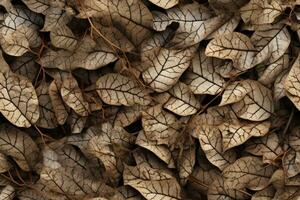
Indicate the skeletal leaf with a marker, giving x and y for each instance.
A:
(18, 100)
(59, 108)
(165, 66)
(261, 12)
(271, 43)
(257, 105)
(182, 101)
(8, 193)
(161, 151)
(62, 37)
(152, 183)
(267, 146)
(211, 142)
(234, 46)
(160, 126)
(73, 96)
(204, 79)
(19, 146)
(236, 133)
(116, 89)
(248, 172)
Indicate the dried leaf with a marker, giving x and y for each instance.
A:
(116, 89)
(18, 100)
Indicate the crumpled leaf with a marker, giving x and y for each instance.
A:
(116, 89)
(8, 193)
(234, 46)
(160, 126)
(268, 147)
(18, 100)
(211, 142)
(204, 79)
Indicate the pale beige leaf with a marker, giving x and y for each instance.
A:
(129, 193)
(182, 101)
(196, 22)
(55, 18)
(128, 115)
(165, 66)
(116, 89)
(160, 126)
(186, 162)
(211, 143)
(234, 46)
(63, 37)
(38, 6)
(5, 67)
(220, 189)
(236, 133)
(235, 92)
(47, 116)
(7, 193)
(268, 147)
(73, 96)
(279, 90)
(257, 105)
(205, 177)
(227, 27)
(75, 184)
(261, 12)
(165, 4)
(18, 100)
(15, 45)
(161, 151)
(152, 183)
(274, 69)
(204, 79)
(160, 21)
(248, 172)
(59, 107)
(19, 146)
(271, 43)
(292, 83)
(291, 163)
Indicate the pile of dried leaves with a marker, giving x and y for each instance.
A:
(150, 99)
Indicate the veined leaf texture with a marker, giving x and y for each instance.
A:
(149, 100)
